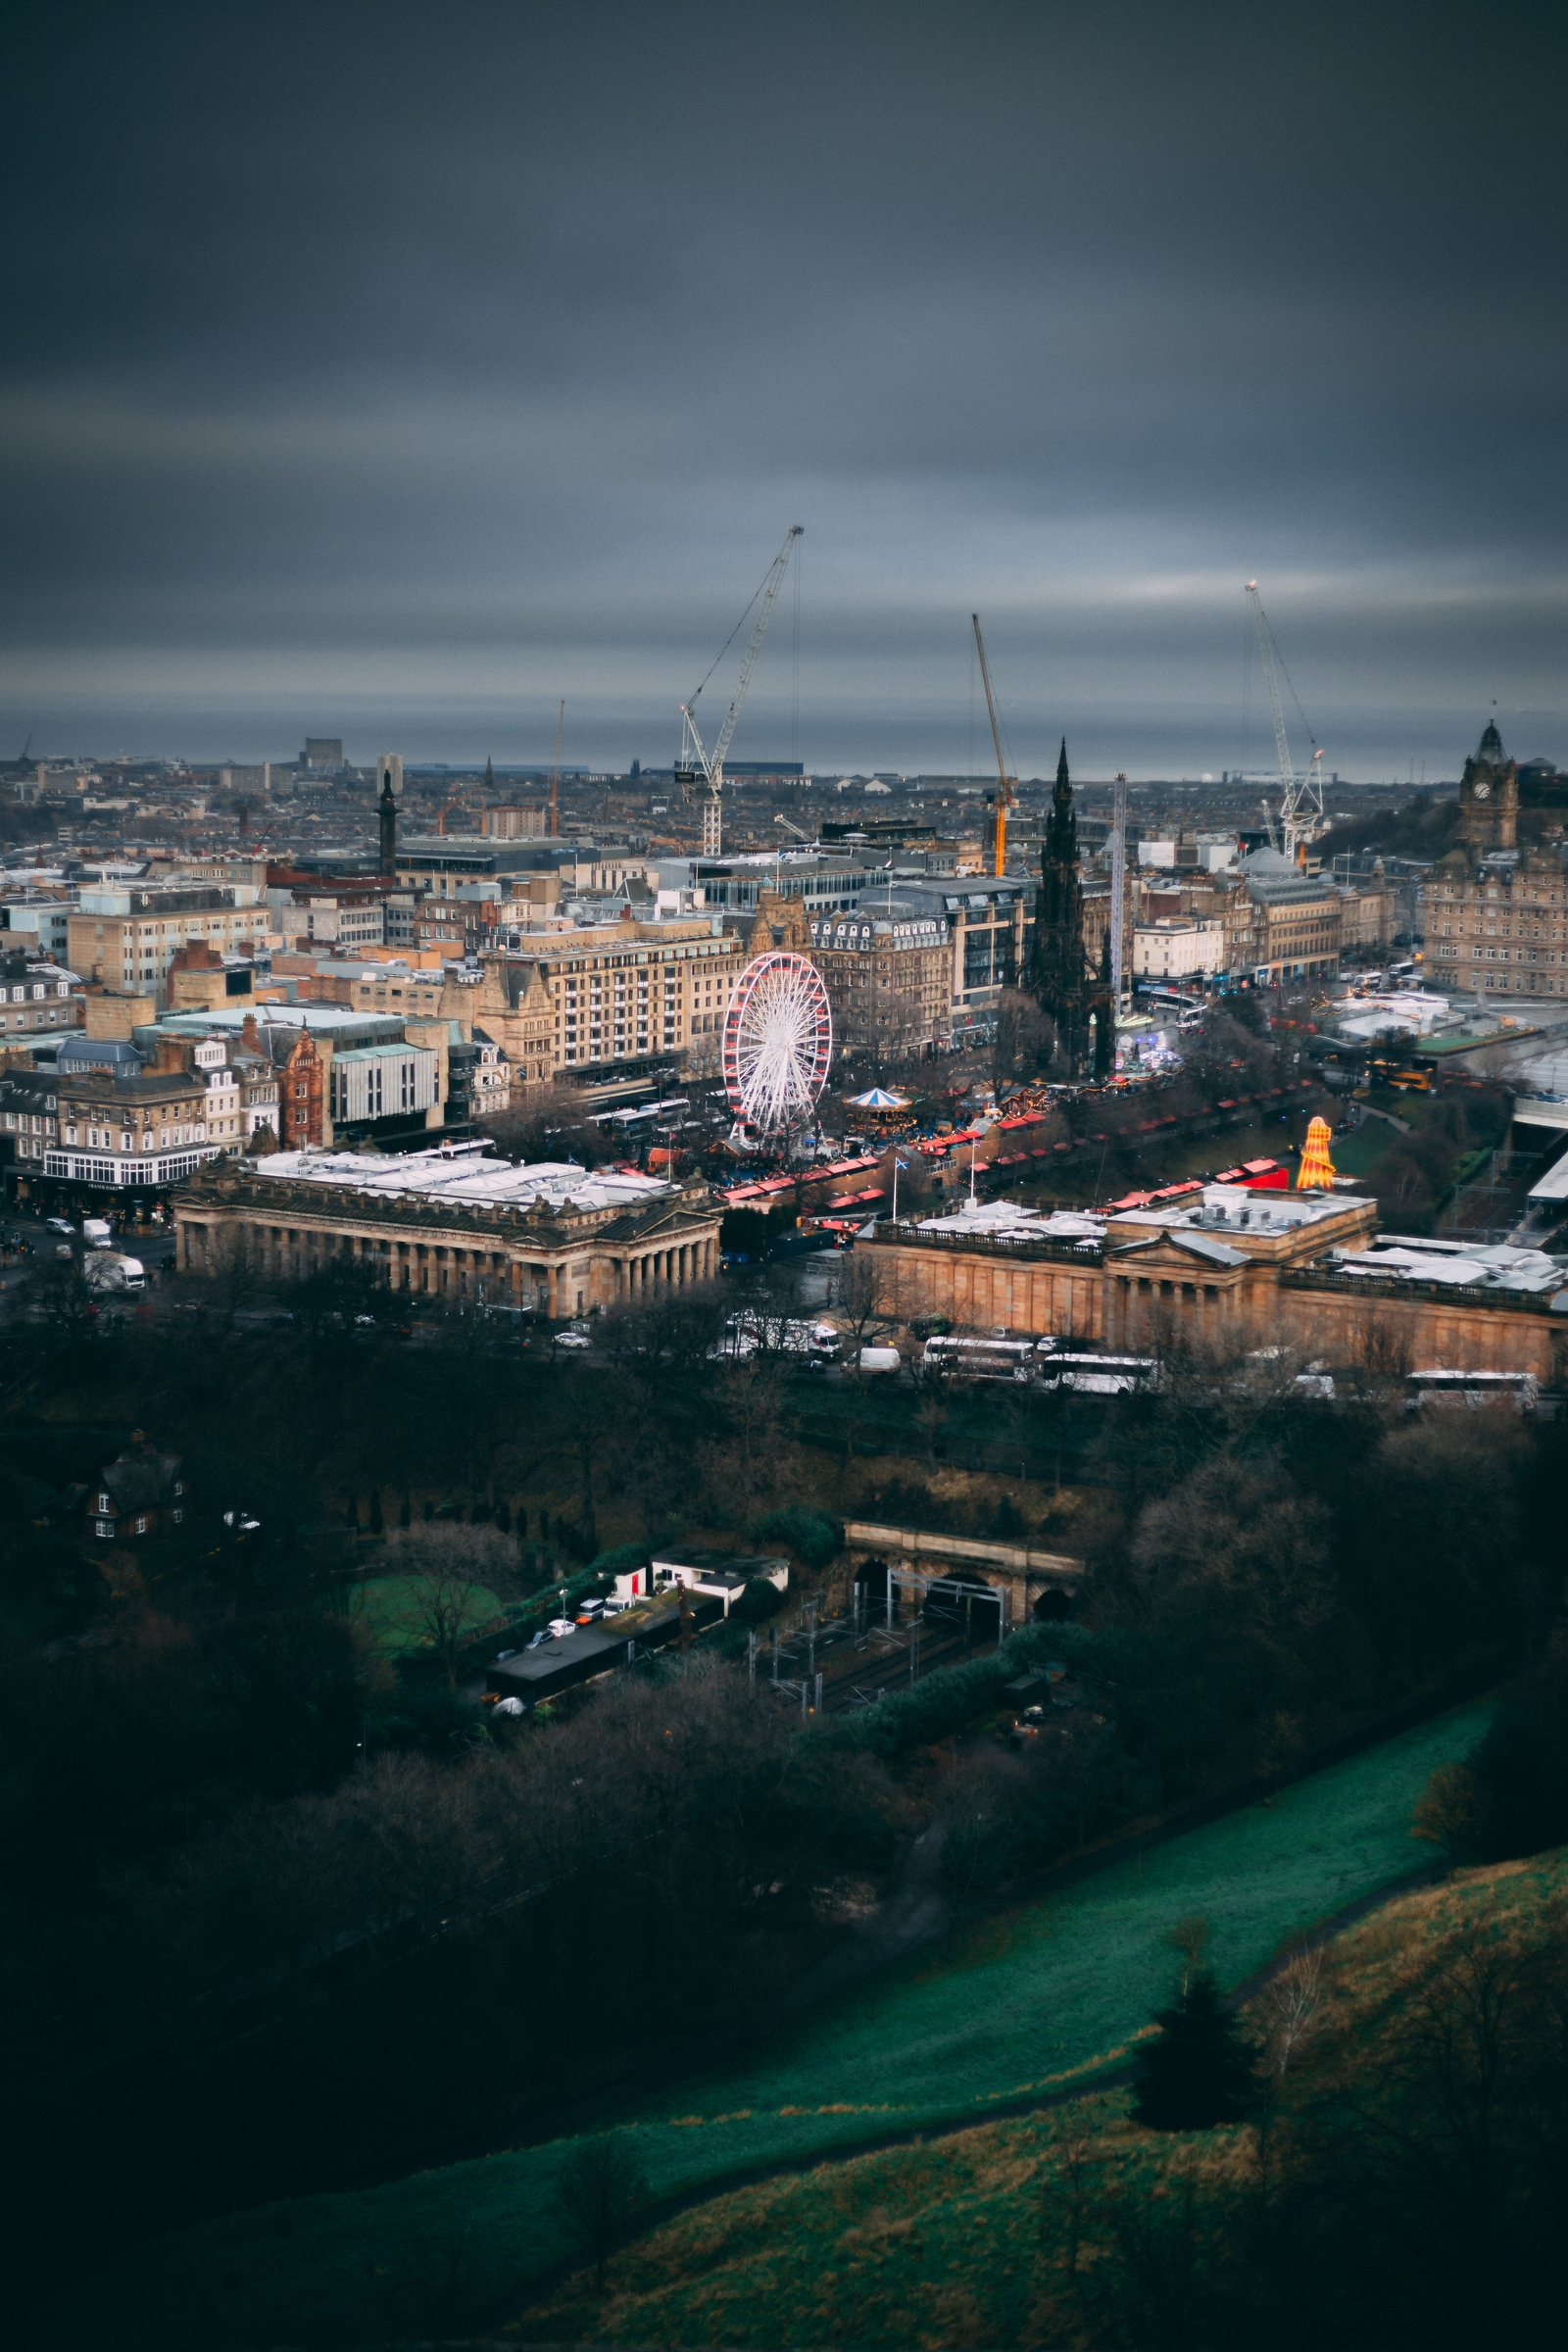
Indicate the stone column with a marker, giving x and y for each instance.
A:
(550, 1277)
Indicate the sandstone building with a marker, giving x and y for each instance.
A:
(1495, 918)
(549, 1238)
(1240, 1270)
(887, 979)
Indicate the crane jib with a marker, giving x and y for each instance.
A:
(710, 765)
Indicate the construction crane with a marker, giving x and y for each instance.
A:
(696, 764)
(1007, 786)
(555, 781)
(779, 818)
(1299, 815)
(1118, 892)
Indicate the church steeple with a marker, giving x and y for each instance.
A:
(387, 810)
(1076, 997)
(1061, 828)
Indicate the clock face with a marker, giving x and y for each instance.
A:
(1483, 790)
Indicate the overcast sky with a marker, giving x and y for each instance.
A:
(393, 371)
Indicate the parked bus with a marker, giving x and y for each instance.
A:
(979, 1359)
(1171, 1000)
(1064, 1372)
(1446, 1390)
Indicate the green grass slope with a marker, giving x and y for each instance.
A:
(970, 2240)
(1042, 1997)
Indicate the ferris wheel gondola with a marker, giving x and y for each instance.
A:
(778, 1044)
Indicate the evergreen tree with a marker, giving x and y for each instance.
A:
(1200, 2070)
(377, 1523)
(405, 1512)
(351, 1513)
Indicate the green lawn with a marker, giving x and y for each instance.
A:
(391, 1606)
(1050, 1992)
(1357, 1154)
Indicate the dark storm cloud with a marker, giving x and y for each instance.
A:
(414, 366)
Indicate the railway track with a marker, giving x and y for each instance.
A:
(858, 1669)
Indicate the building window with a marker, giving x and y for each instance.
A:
(141, 1527)
(104, 1504)
(106, 1527)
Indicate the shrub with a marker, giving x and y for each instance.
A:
(812, 1534)
(619, 1559)
(760, 1602)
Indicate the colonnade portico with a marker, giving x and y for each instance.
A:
(559, 1260)
(672, 1265)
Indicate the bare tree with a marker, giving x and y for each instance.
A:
(449, 1566)
(866, 1300)
(1072, 2154)
(597, 2194)
(234, 1269)
(1025, 1036)
(1191, 1937)
(1289, 2004)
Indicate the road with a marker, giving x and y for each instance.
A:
(155, 1252)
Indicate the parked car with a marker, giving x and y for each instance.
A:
(879, 1359)
(573, 1339)
(59, 1225)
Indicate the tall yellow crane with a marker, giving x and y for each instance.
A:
(1007, 786)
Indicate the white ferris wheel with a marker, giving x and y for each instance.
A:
(778, 1044)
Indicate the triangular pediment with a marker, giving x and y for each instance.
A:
(1180, 1258)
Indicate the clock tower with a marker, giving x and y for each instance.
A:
(1489, 798)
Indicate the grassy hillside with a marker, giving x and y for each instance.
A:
(1042, 1997)
(972, 2240)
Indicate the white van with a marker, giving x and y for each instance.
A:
(880, 1359)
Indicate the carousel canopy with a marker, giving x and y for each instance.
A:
(879, 1099)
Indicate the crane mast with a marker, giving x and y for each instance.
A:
(1118, 892)
(1301, 796)
(1007, 796)
(696, 759)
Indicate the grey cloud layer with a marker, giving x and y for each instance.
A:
(489, 350)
